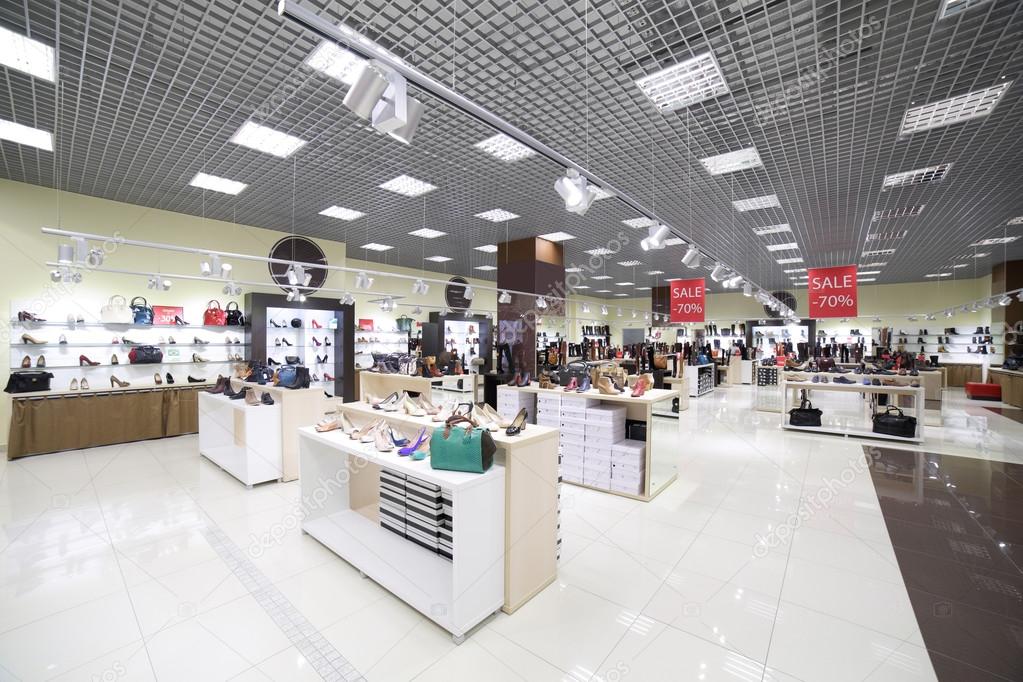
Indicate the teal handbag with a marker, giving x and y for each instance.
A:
(469, 449)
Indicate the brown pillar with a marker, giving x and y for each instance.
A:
(1006, 277)
(660, 303)
(536, 266)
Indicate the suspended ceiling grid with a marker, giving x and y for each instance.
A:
(150, 93)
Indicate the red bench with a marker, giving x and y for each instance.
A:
(979, 391)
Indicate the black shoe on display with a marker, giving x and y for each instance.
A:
(179, 321)
(170, 379)
(193, 380)
(266, 399)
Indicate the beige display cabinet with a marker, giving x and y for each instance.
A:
(662, 435)
(530, 461)
(1011, 382)
(382, 385)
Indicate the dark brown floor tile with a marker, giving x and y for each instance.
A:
(996, 592)
(950, 670)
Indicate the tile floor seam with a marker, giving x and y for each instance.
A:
(515, 644)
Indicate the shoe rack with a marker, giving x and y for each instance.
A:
(244, 440)
(468, 336)
(324, 339)
(701, 379)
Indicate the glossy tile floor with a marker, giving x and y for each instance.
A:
(768, 559)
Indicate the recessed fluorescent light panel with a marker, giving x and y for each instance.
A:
(953, 110)
(621, 294)
(993, 241)
(487, 248)
(1016, 221)
(916, 177)
(791, 270)
(640, 223)
(599, 193)
(984, 254)
(655, 272)
(485, 268)
(960, 265)
(642, 288)
(630, 263)
(789, 246)
(601, 277)
(938, 274)
(767, 201)
(684, 84)
(438, 259)
(408, 186)
(950, 8)
(26, 55)
(557, 236)
(771, 229)
(874, 265)
(868, 272)
(884, 236)
(336, 62)
(904, 212)
(427, 233)
(786, 261)
(601, 251)
(603, 291)
(573, 269)
(625, 284)
(879, 252)
(866, 279)
(497, 215)
(33, 137)
(212, 182)
(502, 147)
(342, 213)
(744, 159)
(373, 246)
(581, 286)
(267, 140)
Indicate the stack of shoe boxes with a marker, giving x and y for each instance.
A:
(548, 409)
(604, 426)
(628, 465)
(572, 423)
(511, 400)
(416, 510)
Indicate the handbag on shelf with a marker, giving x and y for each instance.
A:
(214, 315)
(806, 414)
(145, 355)
(892, 422)
(296, 323)
(141, 312)
(116, 311)
(293, 376)
(660, 361)
(404, 323)
(233, 316)
(470, 449)
(28, 382)
(292, 360)
(574, 370)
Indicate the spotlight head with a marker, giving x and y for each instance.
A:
(468, 312)
(227, 289)
(205, 269)
(634, 314)
(735, 281)
(366, 91)
(152, 282)
(541, 303)
(420, 287)
(417, 310)
(291, 295)
(586, 308)
(646, 317)
(575, 192)
(66, 254)
(76, 277)
(225, 270)
(719, 272)
(948, 313)
(655, 238)
(692, 257)
(469, 293)
(301, 298)
(95, 258)
(504, 297)
(363, 281)
(292, 275)
(619, 312)
(603, 310)
(1005, 300)
(55, 275)
(747, 289)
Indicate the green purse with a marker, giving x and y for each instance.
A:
(469, 449)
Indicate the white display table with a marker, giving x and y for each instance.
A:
(243, 440)
(790, 398)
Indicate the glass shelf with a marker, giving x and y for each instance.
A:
(123, 325)
(128, 364)
(116, 345)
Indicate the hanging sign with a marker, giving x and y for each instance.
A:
(688, 300)
(832, 291)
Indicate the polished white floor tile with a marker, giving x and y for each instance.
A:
(662, 542)
(329, 592)
(288, 665)
(614, 573)
(189, 651)
(370, 633)
(735, 562)
(259, 637)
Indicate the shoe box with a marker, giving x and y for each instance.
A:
(419, 511)
(604, 425)
(511, 400)
(628, 465)
(548, 410)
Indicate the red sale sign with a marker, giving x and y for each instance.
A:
(688, 299)
(832, 291)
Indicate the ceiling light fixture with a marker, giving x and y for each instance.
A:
(427, 233)
(771, 229)
(719, 272)
(407, 186)
(630, 263)
(747, 289)
(789, 246)
(342, 213)
(267, 140)
(32, 137)
(904, 212)
(485, 268)
(1005, 300)
(230, 289)
(502, 147)
(586, 308)
(639, 223)
(755, 203)
(557, 236)
(438, 259)
(953, 110)
(418, 310)
(373, 246)
(786, 261)
(420, 287)
(347, 299)
(541, 303)
(363, 281)
(336, 62)
(504, 297)
(916, 177)
(488, 248)
(692, 257)
(575, 192)
(468, 293)
(497, 215)
(743, 159)
(27, 55)
(684, 84)
(603, 310)
(993, 242)
(210, 182)
(655, 238)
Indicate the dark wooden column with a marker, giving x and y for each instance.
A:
(1006, 277)
(660, 303)
(536, 266)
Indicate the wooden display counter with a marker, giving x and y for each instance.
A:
(1011, 382)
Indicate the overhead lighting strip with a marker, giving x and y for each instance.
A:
(916, 177)
(953, 110)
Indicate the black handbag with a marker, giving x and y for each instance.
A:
(296, 323)
(892, 422)
(234, 315)
(577, 370)
(141, 312)
(27, 382)
(293, 376)
(292, 360)
(145, 355)
(806, 414)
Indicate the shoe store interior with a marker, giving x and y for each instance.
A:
(578, 340)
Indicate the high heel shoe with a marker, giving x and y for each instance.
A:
(494, 416)
(524, 381)
(427, 406)
(25, 316)
(585, 386)
(317, 342)
(157, 379)
(286, 342)
(84, 384)
(316, 325)
(409, 449)
(515, 380)
(326, 340)
(572, 385)
(639, 388)
(198, 358)
(388, 404)
(273, 323)
(62, 340)
(114, 360)
(605, 387)
(26, 362)
(170, 379)
(381, 441)
(277, 341)
(115, 381)
(28, 338)
(179, 321)
(482, 419)
(84, 361)
(411, 408)
(518, 424)
(360, 434)
(73, 386)
(398, 442)
(346, 424)
(251, 399)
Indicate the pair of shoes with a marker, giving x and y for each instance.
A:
(27, 361)
(520, 380)
(84, 384)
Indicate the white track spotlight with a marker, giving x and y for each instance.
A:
(232, 289)
(291, 295)
(469, 293)
(65, 253)
(420, 287)
(692, 257)
(387, 304)
(575, 192)
(634, 314)
(646, 317)
(719, 272)
(363, 281)
(948, 313)
(586, 308)
(1019, 296)
(301, 298)
(655, 238)
(418, 310)
(603, 310)
(225, 270)
(208, 267)
(1005, 300)
(619, 312)
(346, 299)
(541, 303)
(504, 297)
(734, 281)
(153, 282)
(94, 258)
(747, 289)
(367, 90)
(55, 275)
(468, 312)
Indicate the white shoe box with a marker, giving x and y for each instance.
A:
(606, 414)
(548, 401)
(623, 486)
(626, 449)
(569, 425)
(575, 408)
(571, 472)
(553, 422)
(573, 457)
(605, 433)
(598, 454)
(574, 439)
(597, 480)
(572, 450)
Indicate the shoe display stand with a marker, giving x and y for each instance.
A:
(296, 408)
(57, 420)
(530, 494)
(740, 371)
(381, 342)
(344, 477)
(648, 419)
(929, 381)
(766, 391)
(244, 440)
(958, 374)
(382, 385)
(459, 383)
(955, 351)
(1011, 382)
(791, 397)
(681, 386)
(320, 320)
(701, 379)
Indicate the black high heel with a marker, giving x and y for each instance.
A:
(518, 424)
(286, 342)
(273, 323)
(179, 321)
